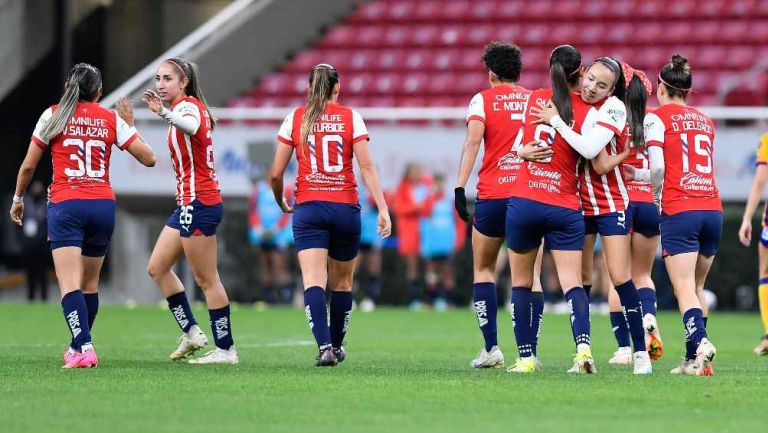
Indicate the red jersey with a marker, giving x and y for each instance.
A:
(607, 193)
(554, 182)
(192, 156)
(687, 137)
(80, 155)
(639, 192)
(325, 162)
(501, 109)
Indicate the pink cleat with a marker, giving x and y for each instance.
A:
(71, 358)
(85, 359)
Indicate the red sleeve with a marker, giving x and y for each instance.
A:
(360, 138)
(130, 141)
(286, 141)
(475, 117)
(654, 143)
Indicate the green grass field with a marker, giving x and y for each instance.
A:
(405, 372)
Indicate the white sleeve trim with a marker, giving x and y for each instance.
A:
(47, 114)
(286, 129)
(124, 132)
(588, 145)
(476, 107)
(358, 126)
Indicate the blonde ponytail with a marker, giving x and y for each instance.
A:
(321, 82)
(83, 84)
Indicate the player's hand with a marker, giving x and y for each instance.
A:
(284, 206)
(627, 149)
(628, 172)
(745, 233)
(17, 213)
(545, 112)
(534, 152)
(124, 109)
(384, 224)
(460, 203)
(153, 101)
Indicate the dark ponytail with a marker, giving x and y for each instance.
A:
(189, 71)
(564, 65)
(635, 100)
(83, 85)
(676, 77)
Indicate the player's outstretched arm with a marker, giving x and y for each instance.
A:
(604, 162)
(758, 185)
(136, 145)
(283, 156)
(371, 180)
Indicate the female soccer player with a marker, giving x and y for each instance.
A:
(191, 230)
(326, 218)
(81, 211)
(546, 204)
(439, 235)
(410, 197)
(680, 143)
(604, 196)
(494, 118)
(745, 235)
(370, 250)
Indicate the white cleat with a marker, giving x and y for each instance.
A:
(653, 343)
(492, 359)
(705, 353)
(189, 343)
(583, 363)
(686, 367)
(642, 363)
(622, 356)
(218, 356)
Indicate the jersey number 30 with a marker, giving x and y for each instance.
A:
(83, 156)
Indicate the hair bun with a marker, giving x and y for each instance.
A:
(679, 62)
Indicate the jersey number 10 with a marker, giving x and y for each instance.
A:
(325, 150)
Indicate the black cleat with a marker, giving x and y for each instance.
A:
(341, 354)
(326, 358)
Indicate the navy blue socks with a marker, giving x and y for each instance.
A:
(620, 328)
(317, 315)
(486, 308)
(76, 316)
(521, 320)
(579, 305)
(537, 316)
(588, 289)
(92, 302)
(647, 300)
(341, 311)
(630, 303)
(695, 330)
(221, 327)
(179, 306)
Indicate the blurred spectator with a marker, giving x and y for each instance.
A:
(370, 251)
(270, 231)
(439, 239)
(34, 241)
(410, 198)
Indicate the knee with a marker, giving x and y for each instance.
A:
(91, 285)
(155, 271)
(207, 282)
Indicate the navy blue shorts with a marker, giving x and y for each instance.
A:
(610, 224)
(87, 224)
(491, 216)
(645, 219)
(692, 231)
(528, 221)
(331, 226)
(196, 219)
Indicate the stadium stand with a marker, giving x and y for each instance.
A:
(426, 52)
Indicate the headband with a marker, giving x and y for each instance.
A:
(673, 87)
(611, 64)
(178, 65)
(630, 72)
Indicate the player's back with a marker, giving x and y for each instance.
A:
(687, 137)
(325, 160)
(501, 108)
(81, 153)
(553, 182)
